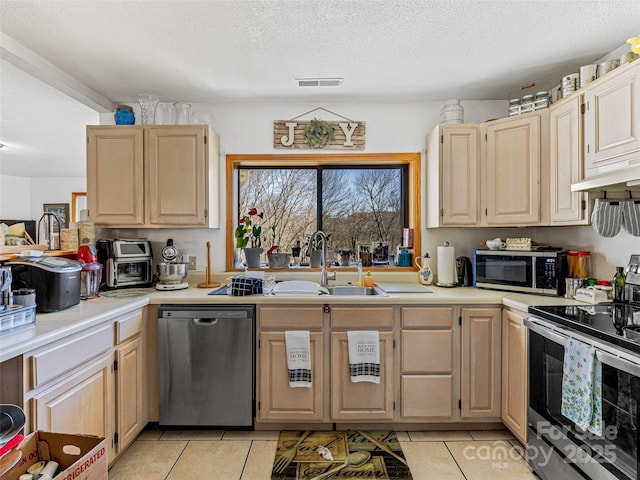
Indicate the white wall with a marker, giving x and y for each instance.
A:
(15, 198)
(390, 127)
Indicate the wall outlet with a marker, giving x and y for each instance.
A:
(193, 262)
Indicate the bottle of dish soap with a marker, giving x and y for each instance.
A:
(368, 279)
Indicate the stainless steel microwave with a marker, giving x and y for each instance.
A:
(540, 272)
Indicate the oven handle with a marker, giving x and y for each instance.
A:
(604, 357)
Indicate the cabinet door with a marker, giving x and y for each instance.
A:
(276, 399)
(177, 175)
(565, 158)
(115, 182)
(514, 374)
(129, 378)
(481, 363)
(459, 186)
(364, 400)
(612, 131)
(513, 168)
(80, 404)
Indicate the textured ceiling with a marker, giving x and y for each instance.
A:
(215, 51)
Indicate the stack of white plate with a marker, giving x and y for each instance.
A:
(452, 112)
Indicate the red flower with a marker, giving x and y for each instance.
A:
(242, 220)
(272, 249)
(253, 211)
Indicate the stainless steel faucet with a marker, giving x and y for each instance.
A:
(324, 279)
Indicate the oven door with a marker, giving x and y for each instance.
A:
(615, 454)
(511, 272)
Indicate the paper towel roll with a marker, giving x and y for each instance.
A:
(446, 265)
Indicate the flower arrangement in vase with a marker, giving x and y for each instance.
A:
(276, 258)
(248, 235)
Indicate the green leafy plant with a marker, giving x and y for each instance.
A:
(248, 233)
(318, 133)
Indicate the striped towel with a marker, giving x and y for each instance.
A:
(298, 347)
(606, 218)
(582, 386)
(364, 356)
(631, 216)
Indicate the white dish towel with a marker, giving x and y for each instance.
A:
(364, 356)
(298, 346)
(582, 386)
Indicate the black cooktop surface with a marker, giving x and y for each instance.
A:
(608, 321)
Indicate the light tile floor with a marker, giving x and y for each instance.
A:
(240, 455)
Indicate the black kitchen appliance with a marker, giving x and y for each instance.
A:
(557, 447)
(56, 281)
(464, 270)
(540, 271)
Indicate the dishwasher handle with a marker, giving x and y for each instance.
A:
(211, 314)
(205, 321)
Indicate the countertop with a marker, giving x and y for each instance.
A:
(50, 327)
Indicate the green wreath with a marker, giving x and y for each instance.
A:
(318, 133)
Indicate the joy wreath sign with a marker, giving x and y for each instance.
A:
(319, 134)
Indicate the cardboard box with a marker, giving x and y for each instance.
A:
(81, 457)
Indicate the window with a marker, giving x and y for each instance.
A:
(362, 200)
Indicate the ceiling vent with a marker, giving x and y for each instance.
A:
(319, 82)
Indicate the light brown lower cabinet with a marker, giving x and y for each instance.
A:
(82, 403)
(481, 363)
(429, 365)
(515, 391)
(361, 400)
(90, 384)
(279, 401)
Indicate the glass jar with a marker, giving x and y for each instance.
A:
(541, 100)
(148, 105)
(579, 263)
(605, 286)
(514, 107)
(452, 112)
(183, 113)
(526, 105)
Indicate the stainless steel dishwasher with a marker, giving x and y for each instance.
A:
(206, 365)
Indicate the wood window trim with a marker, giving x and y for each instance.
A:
(413, 161)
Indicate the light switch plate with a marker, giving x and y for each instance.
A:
(193, 262)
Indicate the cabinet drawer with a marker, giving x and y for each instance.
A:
(61, 358)
(128, 325)
(362, 317)
(427, 351)
(290, 317)
(425, 317)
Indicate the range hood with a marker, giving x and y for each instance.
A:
(626, 179)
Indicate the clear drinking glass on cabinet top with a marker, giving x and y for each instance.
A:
(165, 114)
(183, 113)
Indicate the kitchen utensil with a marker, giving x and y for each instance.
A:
(425, 275)
(355, 459)
(382, 446)
(172, 272)
(288, 455)
(47, 229)
(207, 273)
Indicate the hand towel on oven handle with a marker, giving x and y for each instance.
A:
(364, 356)
(298, 347)
(582, 386)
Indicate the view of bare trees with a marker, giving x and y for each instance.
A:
(360, 207)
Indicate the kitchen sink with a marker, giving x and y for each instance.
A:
(355, 290)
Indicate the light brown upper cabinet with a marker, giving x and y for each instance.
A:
(153, 176)
(566, 163)
(515, 171)
(611, 123)
(453, 158)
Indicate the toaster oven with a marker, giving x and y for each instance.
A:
(127, 263)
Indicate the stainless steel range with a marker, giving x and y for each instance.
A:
(557, 446)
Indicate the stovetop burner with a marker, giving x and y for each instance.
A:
(607, 321)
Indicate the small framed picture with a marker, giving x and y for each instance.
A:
(61, 211)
